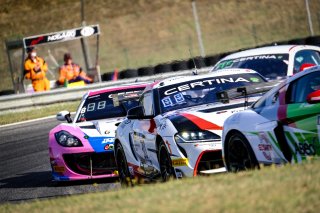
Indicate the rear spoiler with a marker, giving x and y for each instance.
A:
(226, 95)
(122, 97)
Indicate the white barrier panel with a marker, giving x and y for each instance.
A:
(18, 101)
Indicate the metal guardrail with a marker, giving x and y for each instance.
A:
(20, 101)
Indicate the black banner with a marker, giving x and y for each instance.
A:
(62, 36)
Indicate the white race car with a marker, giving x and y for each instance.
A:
(176, 129)
(283, 126)
(273, 62)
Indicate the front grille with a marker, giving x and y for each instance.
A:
(210, 160)
(102, 163)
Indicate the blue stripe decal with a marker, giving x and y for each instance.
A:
(101, 144)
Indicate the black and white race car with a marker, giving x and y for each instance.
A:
(176, 129)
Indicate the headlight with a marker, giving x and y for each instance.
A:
(65, 139)
(196, 136)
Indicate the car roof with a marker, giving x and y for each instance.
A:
(217, 73)
(277, 49)
(116, 88)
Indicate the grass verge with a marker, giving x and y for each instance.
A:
(37, 112)
(273, 189)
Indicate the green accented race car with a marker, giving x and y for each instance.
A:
(283, 126)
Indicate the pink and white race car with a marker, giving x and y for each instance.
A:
(83, 148)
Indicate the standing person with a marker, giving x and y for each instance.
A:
(71, 72)
(35, 69)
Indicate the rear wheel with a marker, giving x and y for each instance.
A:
(165, 163)
(239, 154)
(124, 174)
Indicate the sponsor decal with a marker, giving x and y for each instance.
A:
(99, 144)
(163, 125)
(179, 162)
(177, 99)
(204, 83)
(87, 31)
(37, 40)
(62, 36)
(265, 146)
(229, 63)
(255, 80)
(108, 140)
(109, 147)
(211, 145)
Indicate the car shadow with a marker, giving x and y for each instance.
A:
(44, 179)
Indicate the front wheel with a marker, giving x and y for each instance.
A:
(165, 163)
(124, 174)
(239, 156)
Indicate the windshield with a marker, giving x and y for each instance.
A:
(271, 66)
(101, 106)
(202, 91)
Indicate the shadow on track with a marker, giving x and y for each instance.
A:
(44, 179)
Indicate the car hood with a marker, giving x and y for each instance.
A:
(105, 127)
(205, 117)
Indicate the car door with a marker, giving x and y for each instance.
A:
(144, 136)
(301, 119)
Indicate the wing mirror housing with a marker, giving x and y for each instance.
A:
(138, 113)
(314, 97)
(64, 116)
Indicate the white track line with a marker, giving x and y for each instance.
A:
(28, 121)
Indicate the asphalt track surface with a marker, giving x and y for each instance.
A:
(25, 172)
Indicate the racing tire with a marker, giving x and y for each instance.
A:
(165, 163)
(198, 61)
(179, 65)
(145, 71)
(162, 68)
(128, 73)
(122, 165)
(239, 155)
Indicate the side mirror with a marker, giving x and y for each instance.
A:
(64, 116)
(314, 97)
(138, 113)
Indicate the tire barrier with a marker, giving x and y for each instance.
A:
(315, 40)
(107, 76)
(145, 71)
(211, 60)
(299, 41)
(128, 73)
(162, 68)
(199, 61)
(179, 65)
(6, 92)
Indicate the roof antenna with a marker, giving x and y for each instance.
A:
(195, 72)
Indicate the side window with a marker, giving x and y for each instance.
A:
(302, 87)
(147, 102)
(305, 57)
